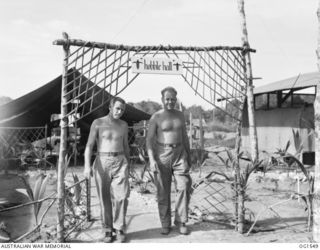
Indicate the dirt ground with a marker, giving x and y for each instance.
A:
(279, 215)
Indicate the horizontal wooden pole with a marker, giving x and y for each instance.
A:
(77, 42)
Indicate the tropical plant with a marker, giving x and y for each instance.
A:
(37, 193)
(239, 182)
(73, 193)
(294, 160)
(4, 234)
(139, 178)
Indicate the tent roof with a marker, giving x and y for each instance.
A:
(300, 81)
(35, 108)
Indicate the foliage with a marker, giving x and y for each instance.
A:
(297, 142)
(231, 163)
(4, 234)
(196, 110)
(238, 186)
(73, 194)
(149, 107)
(26, 153)
(31, 155)
(139, 178)
(293, 160)
(220, 127)
(231, 108)
(37, 193)
(77, 189)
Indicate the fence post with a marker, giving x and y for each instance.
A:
(316, 197)
(201, 131)
(250, 97)
(75, 150)
(45, 146)
(88, 186)
(63, 144)
(144, 129)
(190, 129)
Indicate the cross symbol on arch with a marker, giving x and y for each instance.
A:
(177, 65)
(137, 62)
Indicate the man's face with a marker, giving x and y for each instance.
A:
(117, 110)
(169, 100)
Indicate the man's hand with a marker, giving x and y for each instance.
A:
(154, 166)
(87, 172)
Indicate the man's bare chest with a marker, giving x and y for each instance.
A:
(110, 132)
(173, 124)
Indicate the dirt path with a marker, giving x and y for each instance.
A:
(144, 227)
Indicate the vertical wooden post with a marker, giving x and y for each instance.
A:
(144, 129)
(250, 98)
(237, 199)
(63, 143)
(316, 198)
(88, 187)
(201, 132)
(45, 146)
(75, 150)
(190, 129)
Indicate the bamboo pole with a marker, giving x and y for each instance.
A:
(75, 149)
(45, 146)
(201, 131)
(190, 129)
(145, 129)
(237, 177)
(99, 45)
(63, 144)
(316, 200)
(248, 70)
(88, 187)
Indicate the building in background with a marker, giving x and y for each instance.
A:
(280, 108)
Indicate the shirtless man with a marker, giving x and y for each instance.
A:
(110, 168)
(169, 154)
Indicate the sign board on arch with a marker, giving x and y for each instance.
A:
(156, 65)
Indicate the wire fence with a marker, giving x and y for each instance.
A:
(20, 146)
(77, 206)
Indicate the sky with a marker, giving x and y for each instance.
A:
(284, 33)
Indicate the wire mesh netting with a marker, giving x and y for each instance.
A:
(13, 140)
(216, 74)
(211, 196)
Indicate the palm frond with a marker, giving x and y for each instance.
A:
(77, 189)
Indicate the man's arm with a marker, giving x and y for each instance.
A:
(88, 151)
(125, 142)
(152, 128)
(185, 139)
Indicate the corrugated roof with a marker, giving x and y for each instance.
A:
(299, 81)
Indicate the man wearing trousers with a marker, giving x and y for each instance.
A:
(169, 155)
(110, 168)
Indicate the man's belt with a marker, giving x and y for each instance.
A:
(110, 153)
(169, 145)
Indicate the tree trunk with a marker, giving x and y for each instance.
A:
(250, 97)
(316, 200)
(63, 146)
